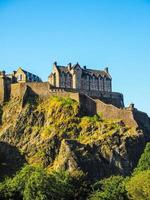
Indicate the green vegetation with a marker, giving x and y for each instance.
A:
(35, 183)
(112, 188)
(138, 186)
(144, 162)
(65, 119)
(54, 132)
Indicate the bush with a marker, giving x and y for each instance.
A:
(35, 183)
(144, 162)
(138, 186)
(112, 188)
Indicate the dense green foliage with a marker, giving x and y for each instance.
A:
(110, 189)
(138, 186)
(144, 162)
(46, 132)
(35, 183)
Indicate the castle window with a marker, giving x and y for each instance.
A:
(19, 78)
(54, 79)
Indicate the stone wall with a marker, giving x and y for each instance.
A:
(76, 78)
(113, 98)
(109, 111)
(87, 104)
(2, 90)
(90, 106)
(18, 89)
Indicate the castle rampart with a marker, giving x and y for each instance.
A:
(110, 104)
(89, 105)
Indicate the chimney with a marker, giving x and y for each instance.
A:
(131, 106)
(55, 64)
(106, 70)
(84, 67)
(69, 66)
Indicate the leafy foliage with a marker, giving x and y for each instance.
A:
(35, 183)
(144, 162)
(138, 186)
(112, 188)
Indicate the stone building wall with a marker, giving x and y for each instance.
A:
(83, 83)
(89, 105)
(2, 89)
(5, 83)
(81, 79)
(112, 112)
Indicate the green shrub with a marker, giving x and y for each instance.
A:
(144, 162)
(138, 186)
(112, 188)
(35, 183)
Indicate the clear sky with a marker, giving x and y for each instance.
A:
(95, 33)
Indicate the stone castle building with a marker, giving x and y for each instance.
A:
(76, 77)
(97, 84)
(19, 76)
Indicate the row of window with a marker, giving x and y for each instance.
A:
(29, 78)
(63, 75)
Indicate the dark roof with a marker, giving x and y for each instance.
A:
(91, 72)
(97, 73)
(29, 73)
(62, 69)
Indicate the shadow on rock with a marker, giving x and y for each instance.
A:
(11, 160)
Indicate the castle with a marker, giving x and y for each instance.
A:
(19, 76)
(92, 89)
(70, 78)
(75, 77)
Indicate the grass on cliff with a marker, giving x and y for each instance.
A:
(33, 127)
(64, 118)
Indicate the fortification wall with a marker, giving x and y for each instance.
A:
(111, 112)
(89, 105)
(18, 89)
(25, 90)
(113, 98)
(2, 90)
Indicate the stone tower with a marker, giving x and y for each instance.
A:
(5, 85)
(2, 86)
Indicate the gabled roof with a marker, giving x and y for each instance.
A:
(97, 73)
(62, 69)
(90, 72)
(26, 72)
(29, 73)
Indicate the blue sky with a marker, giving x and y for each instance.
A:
(95, 33)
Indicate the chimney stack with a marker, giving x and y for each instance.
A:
(69, 66)
(55, 64)
(106, 70)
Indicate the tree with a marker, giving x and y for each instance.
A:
(144, 162)
(112, 188)
(138, 186)
(35, 183)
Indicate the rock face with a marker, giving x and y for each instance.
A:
(54, 133)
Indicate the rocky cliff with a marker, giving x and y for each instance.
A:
(54, 133)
